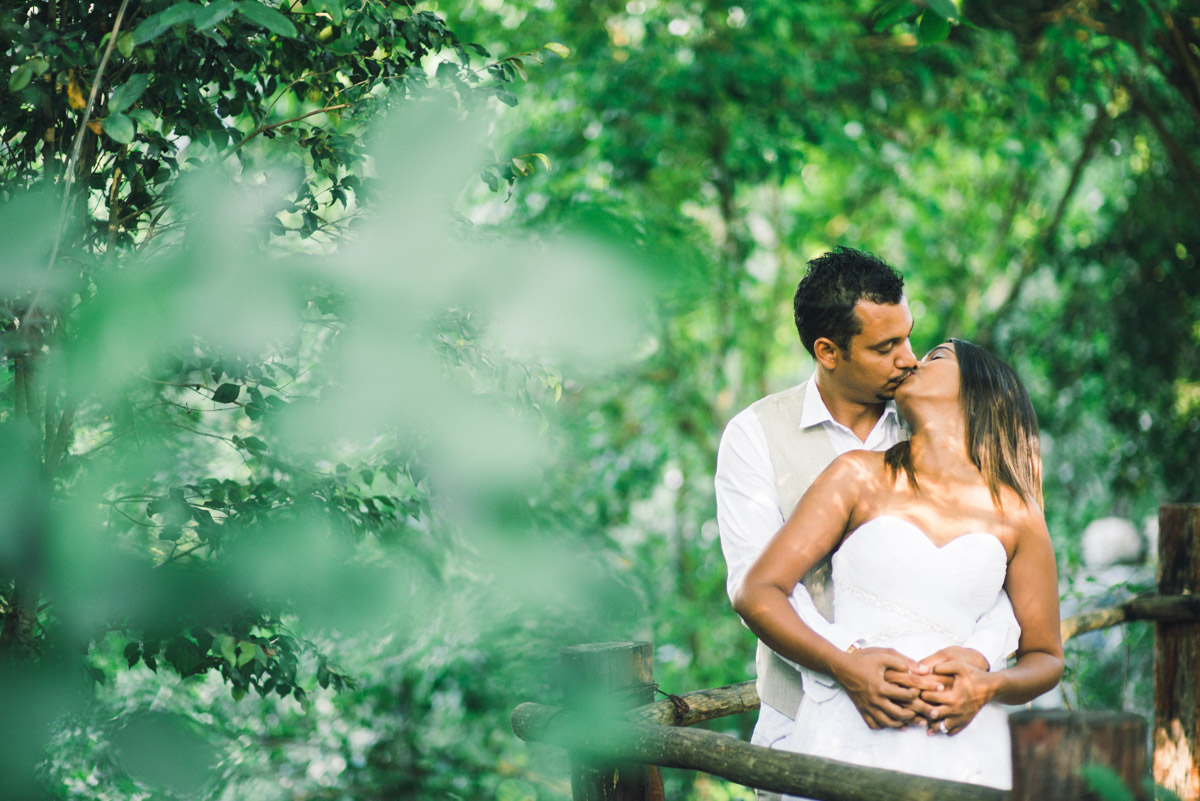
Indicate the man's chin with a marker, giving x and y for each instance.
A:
(889, 390)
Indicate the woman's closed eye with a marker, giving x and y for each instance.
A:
(939, 352)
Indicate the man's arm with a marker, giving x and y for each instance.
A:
(996, 633)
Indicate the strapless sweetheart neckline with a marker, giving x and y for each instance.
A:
(917, 598)
(913, 527)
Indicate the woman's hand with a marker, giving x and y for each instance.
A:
(966, 690)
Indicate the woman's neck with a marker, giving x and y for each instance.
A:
(939, 445)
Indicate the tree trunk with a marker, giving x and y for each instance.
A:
(1177, 656)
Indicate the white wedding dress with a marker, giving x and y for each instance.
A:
(893, 584)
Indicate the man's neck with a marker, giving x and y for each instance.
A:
(854, 415)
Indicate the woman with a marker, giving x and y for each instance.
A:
(925, 534)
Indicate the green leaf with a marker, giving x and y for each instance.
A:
(932, 27)
(560, 50)
(507, 98)
(127, 93)
(226, 393)
(95, 673)
(1105, 783)
(21, 78)
(893, 12)
(125, 44)
(238, 692)
(266, 17)
(213, 13)
(157, 24)
(253, 444)
(226, 646)
(119, 128)
(144, 117)
(944, 7)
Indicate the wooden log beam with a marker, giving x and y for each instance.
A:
(734, 699)
(1176, 763)
(1161, 608)
(735, 760)
(698, 706)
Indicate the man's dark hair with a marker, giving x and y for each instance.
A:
(834, 283)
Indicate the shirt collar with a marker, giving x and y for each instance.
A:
(815, 412)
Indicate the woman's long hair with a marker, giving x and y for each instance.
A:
(1002, 428)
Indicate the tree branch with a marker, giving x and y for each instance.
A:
(263, 128)
(77, 147)
(1176, 152)
(1046, 240)
(1187, 61)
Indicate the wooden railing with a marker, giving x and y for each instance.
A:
(619, 737)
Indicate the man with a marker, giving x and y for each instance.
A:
(853, 319)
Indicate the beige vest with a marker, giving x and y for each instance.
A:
(798, 456)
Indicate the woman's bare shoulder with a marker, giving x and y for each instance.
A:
(857, 466)
(1026, 519)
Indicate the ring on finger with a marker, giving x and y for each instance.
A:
(942, 727)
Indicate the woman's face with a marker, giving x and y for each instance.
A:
(935, 377)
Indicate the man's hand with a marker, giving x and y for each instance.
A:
(883, 704)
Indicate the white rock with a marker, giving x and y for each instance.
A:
(1150, 529)
(1111, 541)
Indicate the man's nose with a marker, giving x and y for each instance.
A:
(905, 358)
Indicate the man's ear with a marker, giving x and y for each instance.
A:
(826, 353)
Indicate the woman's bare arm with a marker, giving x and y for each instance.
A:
(814, 530)
(1032, 585)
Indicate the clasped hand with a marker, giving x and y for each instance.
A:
(892, 691)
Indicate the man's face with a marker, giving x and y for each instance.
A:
(879, 358)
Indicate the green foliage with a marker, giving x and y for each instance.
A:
(224, 444)
(311, 474)
(186, 85)
(1030, 172)
(1105, 783)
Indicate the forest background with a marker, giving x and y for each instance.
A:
(359, 356)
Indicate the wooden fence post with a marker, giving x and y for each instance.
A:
(1050, 746)
(602, 681)
(1177, 656)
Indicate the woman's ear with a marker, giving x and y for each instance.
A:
(826, 353)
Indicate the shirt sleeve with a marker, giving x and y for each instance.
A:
(996, 633)
(749, 514)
